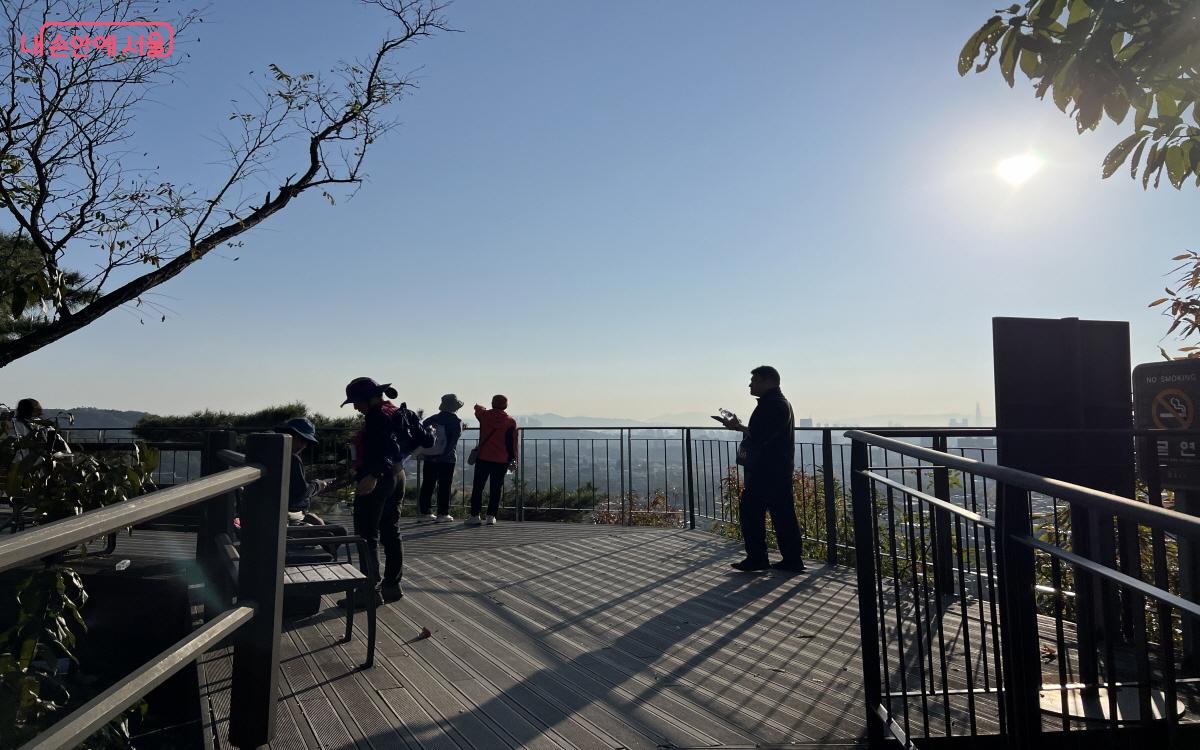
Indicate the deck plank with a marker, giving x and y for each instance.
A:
(560, 636)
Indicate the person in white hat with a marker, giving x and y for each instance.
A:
(439, 464)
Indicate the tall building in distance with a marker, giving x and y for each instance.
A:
(804, 422)
(978, 416)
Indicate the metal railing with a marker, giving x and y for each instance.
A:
(253, 623)
(967, 619)
(664, 476)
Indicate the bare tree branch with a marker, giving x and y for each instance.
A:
(63, 121)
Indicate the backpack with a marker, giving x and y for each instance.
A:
(437, 448)
(410, 434)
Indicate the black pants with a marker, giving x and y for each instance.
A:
(439, 474)
(376, 519)
(487, 471)
(774, 497)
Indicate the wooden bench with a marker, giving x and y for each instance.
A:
(307, 579)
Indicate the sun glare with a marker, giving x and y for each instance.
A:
(1017, 170)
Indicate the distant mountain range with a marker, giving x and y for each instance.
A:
(87, 417)
(693, 419)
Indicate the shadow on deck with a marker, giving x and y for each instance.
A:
(569, 636)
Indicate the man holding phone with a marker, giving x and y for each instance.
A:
(768, 453)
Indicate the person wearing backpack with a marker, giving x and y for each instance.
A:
(440, 460)
(412, 437)
(375, 455)
(494, 456)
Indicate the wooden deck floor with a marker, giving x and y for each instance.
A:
(570, 636)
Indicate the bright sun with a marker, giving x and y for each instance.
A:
(1017, 170)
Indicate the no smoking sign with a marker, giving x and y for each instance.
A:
(1172, 409)
(1165, 395)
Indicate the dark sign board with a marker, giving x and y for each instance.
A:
(1057, 376)
(1165, 397)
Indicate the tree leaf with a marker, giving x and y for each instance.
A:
(1046, 12)
(970, 50)
(1117, 156)
(1029, 63)
(1062, 86)
(1080, 11)
(1136, 159)
(1008, 55)
(1116, 106)
(1177, 165)
(1167, 105)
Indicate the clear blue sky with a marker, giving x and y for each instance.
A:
(618, 208)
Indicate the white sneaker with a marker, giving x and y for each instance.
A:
(428, 517)
(473, 521)
(491, 521)
(444, 519)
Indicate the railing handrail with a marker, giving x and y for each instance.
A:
(931, 500)
(1150, 515)
(85, 720)
(259, 592)
(232, 458)
(38, 542)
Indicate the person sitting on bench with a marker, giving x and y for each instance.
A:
(301, 490)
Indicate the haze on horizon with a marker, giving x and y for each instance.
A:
(618, 210)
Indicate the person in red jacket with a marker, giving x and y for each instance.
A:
(497, 454)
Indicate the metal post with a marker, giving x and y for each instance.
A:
(868, 618)
(943, 545)
(690, 479)
(621, 440)
(260, 581)
(1018, 619)
(217, 519)
(520, 501)
(828, 482)
(1189, 582)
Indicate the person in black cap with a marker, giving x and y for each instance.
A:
(375, 456)
(301, 491)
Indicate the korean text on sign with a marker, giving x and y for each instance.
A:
(149, 42)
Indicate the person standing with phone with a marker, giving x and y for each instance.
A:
(768, 453)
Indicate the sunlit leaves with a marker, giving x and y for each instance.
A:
(1098, 59)
(1117, 156)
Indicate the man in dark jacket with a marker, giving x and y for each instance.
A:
(770, 459)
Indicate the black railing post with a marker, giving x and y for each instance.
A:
(624, 469)
(217, 518)
(690, 479)
(828, 483)
(943, 545)
(868, 617)
(1188, 501)
(519, 502)
(1018, 619)
(260, 580)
